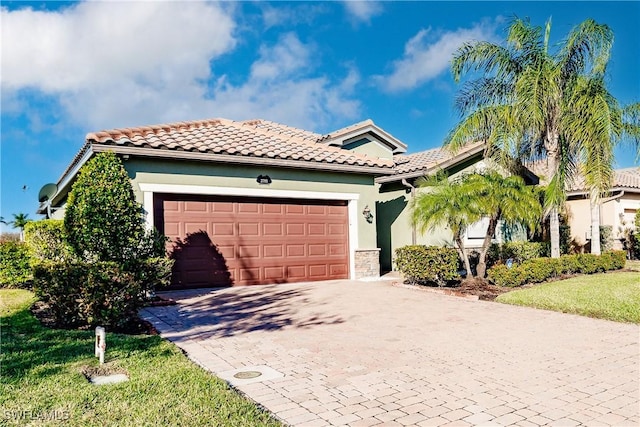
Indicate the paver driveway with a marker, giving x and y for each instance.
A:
(368, 353)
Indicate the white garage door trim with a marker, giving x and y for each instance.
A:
(149, 189)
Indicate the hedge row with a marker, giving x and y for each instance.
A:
(15, 265)
(420, 263)
(517, 251)
(538, 270)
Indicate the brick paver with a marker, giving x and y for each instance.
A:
(369, 353)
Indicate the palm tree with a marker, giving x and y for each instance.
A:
(445, 203)
(464, 201)
(532, 103)
(502, 199)
(19, 221)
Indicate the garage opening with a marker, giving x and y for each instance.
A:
(236, 241)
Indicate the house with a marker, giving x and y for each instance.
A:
(617, 210)
(274, 203)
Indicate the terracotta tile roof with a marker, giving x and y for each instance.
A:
(629, 178)
(423, 160)
(426, 162)
(622, 178)
(251, 138)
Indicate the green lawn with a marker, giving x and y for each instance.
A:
(612, 296)
(41, 371)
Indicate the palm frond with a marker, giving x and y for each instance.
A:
(481, 92)
(586, 49)
(488, 57)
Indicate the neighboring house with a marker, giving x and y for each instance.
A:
(280, 204)
(618, 208)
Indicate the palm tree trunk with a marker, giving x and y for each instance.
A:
(481, 269)
(554, 231)
(551, 146)
(463, 255)
(595, 225)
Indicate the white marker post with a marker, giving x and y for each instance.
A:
(101, 343)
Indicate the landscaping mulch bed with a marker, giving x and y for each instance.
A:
(481, 288)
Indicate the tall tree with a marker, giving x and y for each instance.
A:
(19, 221)
(529, 104)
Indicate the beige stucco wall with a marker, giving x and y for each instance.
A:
(580, 216)
(206, 174)
(579, 213)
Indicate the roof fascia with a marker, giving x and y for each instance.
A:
(611, 190)
(66, 179)
(222, 158)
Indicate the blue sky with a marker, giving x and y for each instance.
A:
(71, 68)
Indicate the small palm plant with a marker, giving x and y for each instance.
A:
(19, 221)
(461, 202)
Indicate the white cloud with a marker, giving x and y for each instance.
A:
(97, 43)
(281, 87)
(135, 63)
(363, 10)
(428, 55)
(298, 14)
(286, 57)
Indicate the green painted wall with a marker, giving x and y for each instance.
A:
(394, 218)
(240, 176)
(394, 225)
(370, 147)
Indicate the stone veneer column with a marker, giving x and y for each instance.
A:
(367, 263)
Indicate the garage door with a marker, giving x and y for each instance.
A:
(220, 241)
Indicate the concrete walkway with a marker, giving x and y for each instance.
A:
(369, 353)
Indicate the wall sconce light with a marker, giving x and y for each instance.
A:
(367, 214)
(263, 179)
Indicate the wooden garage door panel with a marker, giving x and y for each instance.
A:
(253, 241)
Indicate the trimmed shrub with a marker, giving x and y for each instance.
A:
(46, 240)
(97, 293)
(615, 260)
(538, 270)
(501, 275)
(517, 251)
(567, 264)
(15, 265)
(103, 221)
(80, 293)
(589, 263)
(97, 267)
(420, 263)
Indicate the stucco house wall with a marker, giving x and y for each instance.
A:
(617, 210)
